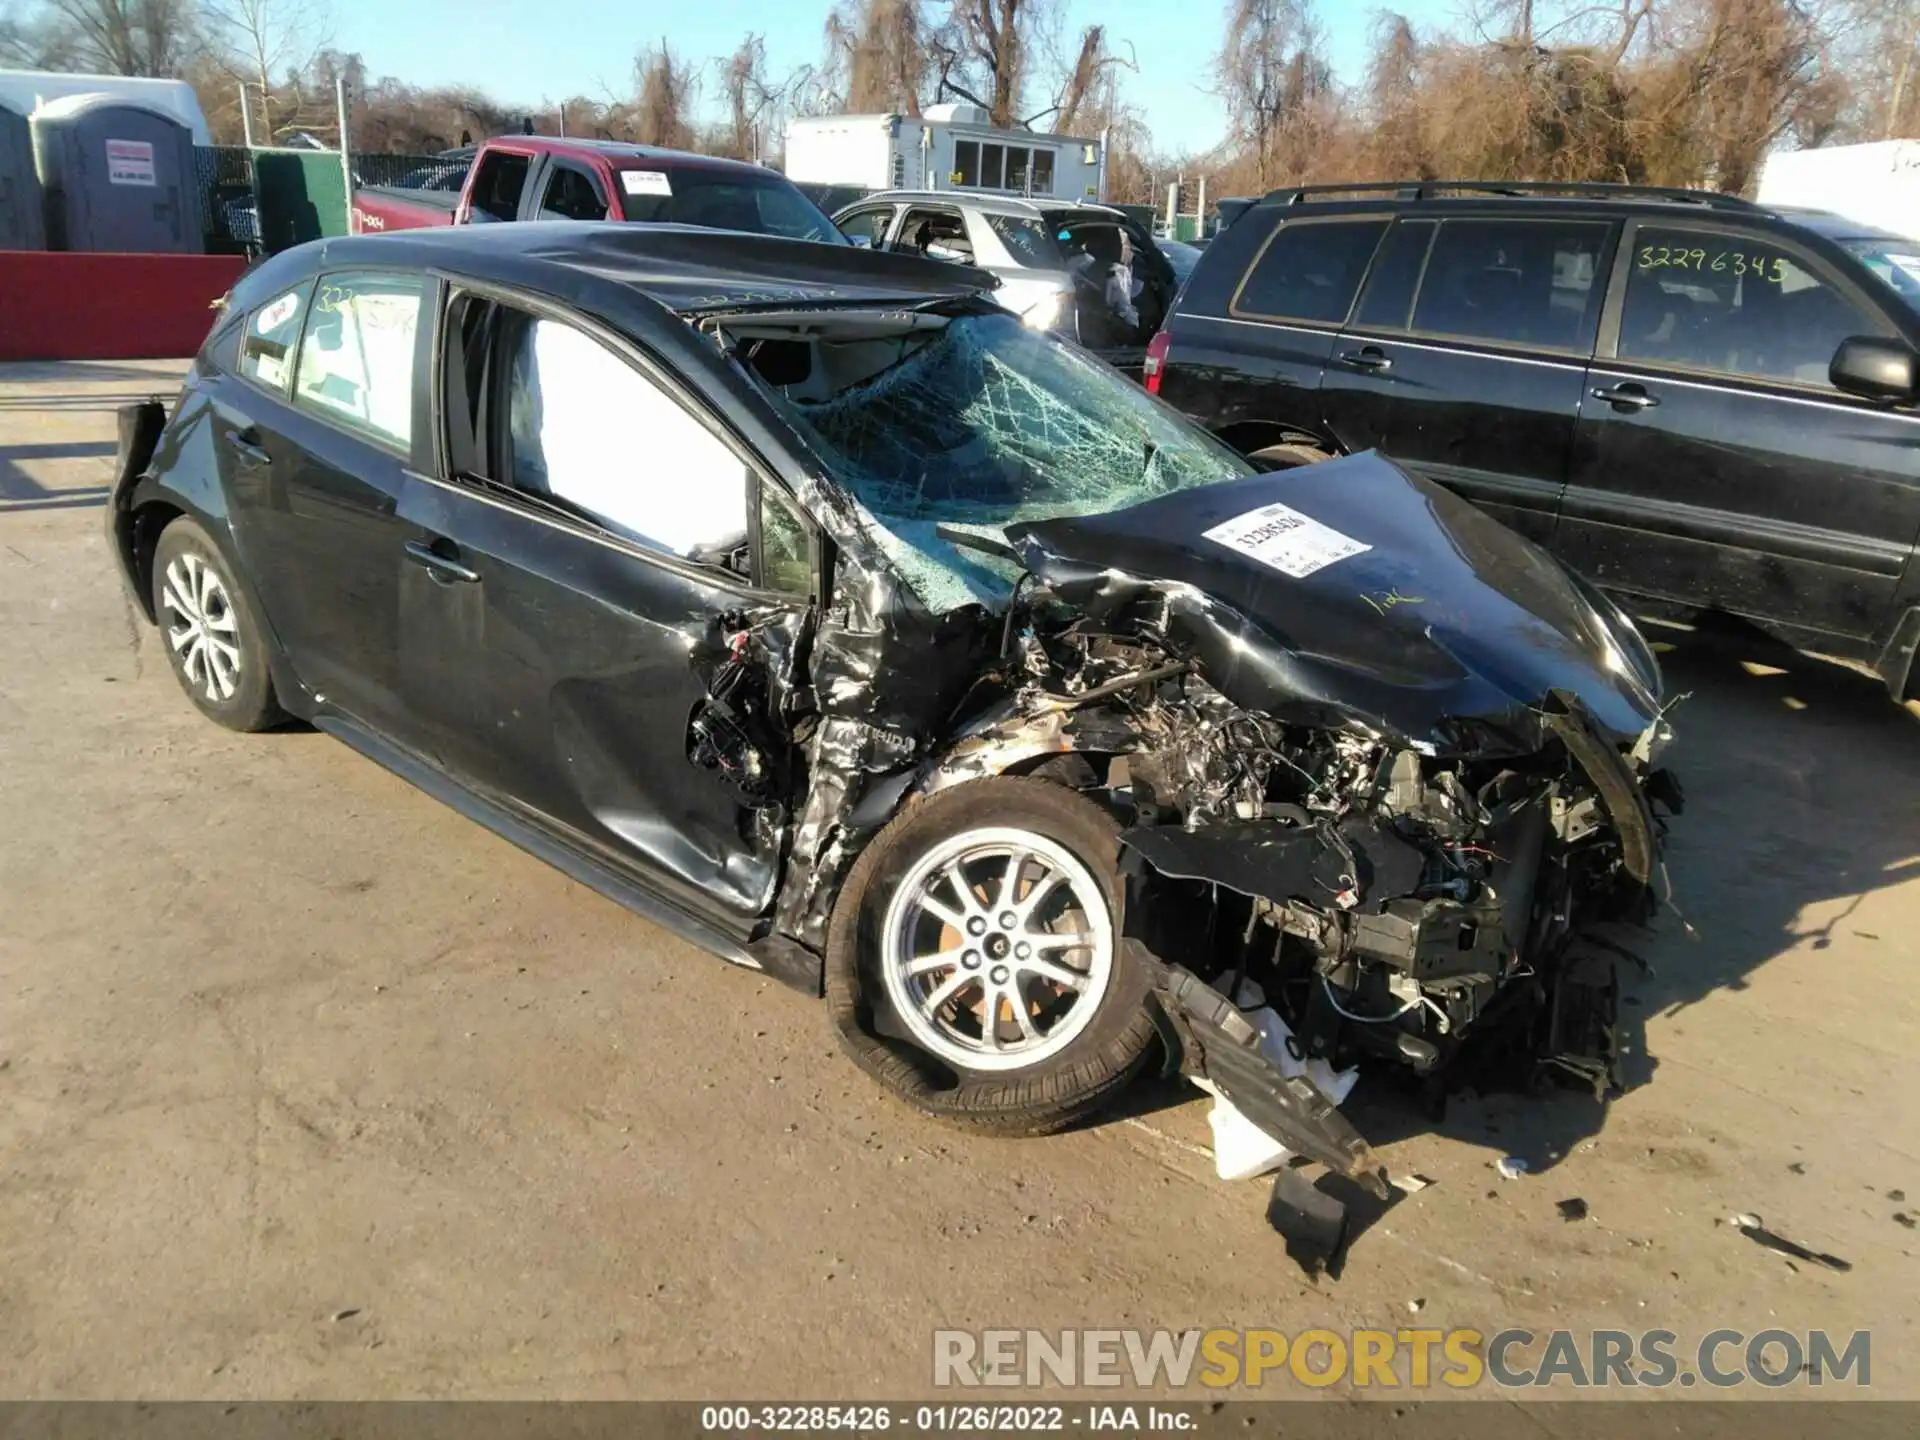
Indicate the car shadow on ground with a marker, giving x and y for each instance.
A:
(1800, 776)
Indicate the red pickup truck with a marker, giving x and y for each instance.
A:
(537, 177)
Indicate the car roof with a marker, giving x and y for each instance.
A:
(1005, 204)
(622, 155)
(688, 269)
(1575, 197)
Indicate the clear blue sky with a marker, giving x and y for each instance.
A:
(526, 53)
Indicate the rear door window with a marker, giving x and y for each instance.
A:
(1514, 282)
(571, 194)
(1733, 304)
(867, 228)
(266, 354)
(1028, 240)
(937, 233)
(1396, 275)
(360, 354)
(496, 189)
(1309, 271)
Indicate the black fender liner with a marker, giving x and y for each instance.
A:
(1218, 1043)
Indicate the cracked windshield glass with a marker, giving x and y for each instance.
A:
(984, 423)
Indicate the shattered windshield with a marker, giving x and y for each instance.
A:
(986, 423)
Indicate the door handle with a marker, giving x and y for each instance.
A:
(1627, 397)
(246, 443)
(1368, 357)
(441, 568)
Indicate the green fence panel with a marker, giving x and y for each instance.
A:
(302, 196)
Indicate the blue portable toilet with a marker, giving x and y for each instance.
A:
(117, 175)
(22, 226)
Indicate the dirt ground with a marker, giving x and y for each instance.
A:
(310, 1088)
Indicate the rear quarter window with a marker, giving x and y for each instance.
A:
(267, 343)
(1310, 271)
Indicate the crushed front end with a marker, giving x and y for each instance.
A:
(1410, 844)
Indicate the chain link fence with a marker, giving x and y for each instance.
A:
(229, 215)
(412, 172)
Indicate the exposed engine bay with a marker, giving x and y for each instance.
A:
(1368, 750)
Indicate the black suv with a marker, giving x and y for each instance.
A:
(1684, 395)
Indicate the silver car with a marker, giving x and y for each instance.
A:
(1090, 272)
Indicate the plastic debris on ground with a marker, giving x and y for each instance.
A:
(1314, 1224)
(1511, 1167)
(1241, 1149)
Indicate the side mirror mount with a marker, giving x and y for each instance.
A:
(1876, 369)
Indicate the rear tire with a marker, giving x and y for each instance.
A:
(1288, 457)
(1071, 1024)
(215, 644)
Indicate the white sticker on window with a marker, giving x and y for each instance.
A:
(645, 182)
(276, 313)
(1280, 536)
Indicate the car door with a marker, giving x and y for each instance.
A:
(1715, 464)
(938, 232)
(867, 226)
(568, 191)
(578, 572)
(332, 422)
(1466, 356)
(1252, 348)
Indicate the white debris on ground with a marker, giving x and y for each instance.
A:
(1241, 1149)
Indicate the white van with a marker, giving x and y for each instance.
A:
(25, 91)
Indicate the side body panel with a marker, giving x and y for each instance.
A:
(1791, 504)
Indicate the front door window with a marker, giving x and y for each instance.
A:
(1734, 305)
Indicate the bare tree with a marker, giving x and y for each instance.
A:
(878, 56)
(1880, 42)
(985, 50)
(1396, 145)
(32, 41)
(1278, 87)
(668, 90)
(122, 37)
(256, 40)
(1731, 79)
(752, 103)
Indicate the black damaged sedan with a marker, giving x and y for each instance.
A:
(800, 598)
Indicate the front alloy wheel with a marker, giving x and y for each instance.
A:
(997, 949)
(974, 960)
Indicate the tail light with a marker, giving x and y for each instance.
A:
(1155, 364)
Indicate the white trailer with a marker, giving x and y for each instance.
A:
(25, 91)
(1877, 184)
(949, 147)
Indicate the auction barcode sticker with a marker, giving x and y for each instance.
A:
(1280, 536)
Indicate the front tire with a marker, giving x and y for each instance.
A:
(974, 964)
(214, 642)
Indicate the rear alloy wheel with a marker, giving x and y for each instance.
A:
(213, 642)
(974, 961)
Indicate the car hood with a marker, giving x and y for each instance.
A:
(1352, 593)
